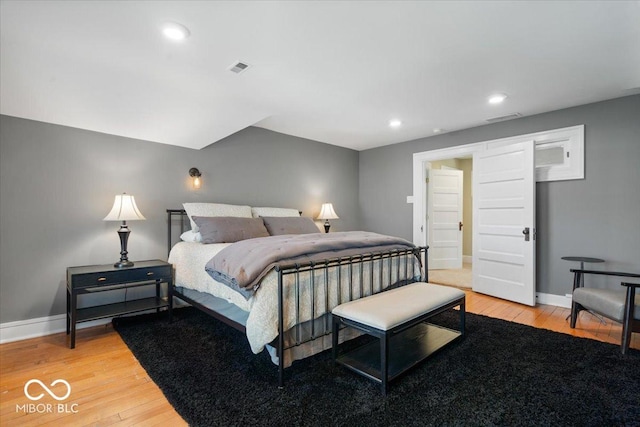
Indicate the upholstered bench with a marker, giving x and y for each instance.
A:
(397, 318)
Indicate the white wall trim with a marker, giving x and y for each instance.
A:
(39, 327)
(420, 162)
(574, 169)
(552, 299)
(572, 141)
(467, 259)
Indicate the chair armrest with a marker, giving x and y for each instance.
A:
(578, 274)
(632, 285)
(606, 273)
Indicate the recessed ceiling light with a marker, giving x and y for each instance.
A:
(437, 130)
(395, 123)
(497, 98)
(175, 31)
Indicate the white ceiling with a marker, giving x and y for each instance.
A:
(335, 72)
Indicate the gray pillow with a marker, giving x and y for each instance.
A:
(278, 225)
(228, 229)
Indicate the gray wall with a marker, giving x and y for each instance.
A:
(57, 183)
(598, 216)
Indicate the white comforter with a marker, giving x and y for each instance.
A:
(189, 260)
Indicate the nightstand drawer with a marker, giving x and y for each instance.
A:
(105, 278)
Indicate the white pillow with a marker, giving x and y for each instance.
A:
(258, 212)
(190, 236)
(214, 209)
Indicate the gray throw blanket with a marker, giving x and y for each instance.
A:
(242, 265)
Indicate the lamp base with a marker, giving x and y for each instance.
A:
(124, 236)
(327, 226)
(123, 264)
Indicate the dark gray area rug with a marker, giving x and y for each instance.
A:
(501, 373)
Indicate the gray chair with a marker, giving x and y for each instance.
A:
(621, 305)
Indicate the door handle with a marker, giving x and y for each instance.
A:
(459, 225)
(526, 234)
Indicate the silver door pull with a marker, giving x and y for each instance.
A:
(526, 234)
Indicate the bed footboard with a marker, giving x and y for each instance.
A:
(332, 282)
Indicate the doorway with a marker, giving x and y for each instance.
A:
(449, 221)
(503, 212)
(422, 163)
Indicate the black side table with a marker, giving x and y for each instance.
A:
(100, 278)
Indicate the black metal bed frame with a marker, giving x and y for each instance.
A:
(351, 264)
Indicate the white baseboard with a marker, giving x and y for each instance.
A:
(42, 326)
(39, 327)
(467, 259)
(552, 299)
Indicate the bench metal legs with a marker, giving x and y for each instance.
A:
(334, 338)
(384, 358)
(421, 338)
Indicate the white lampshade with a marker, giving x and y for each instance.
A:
(327, 212)
(124, 209)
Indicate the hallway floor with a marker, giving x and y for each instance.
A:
(460, 277)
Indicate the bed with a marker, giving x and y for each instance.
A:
(287, 310)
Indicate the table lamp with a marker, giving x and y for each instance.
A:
(327, 213)
(124, 209)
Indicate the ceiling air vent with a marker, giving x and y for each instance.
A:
(503, 118)
(238, 67)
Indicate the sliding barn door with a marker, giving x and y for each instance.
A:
(504, 222)
(444, 200)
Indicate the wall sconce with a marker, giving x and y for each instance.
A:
(195, 174)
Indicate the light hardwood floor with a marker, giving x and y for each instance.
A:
(110, 388)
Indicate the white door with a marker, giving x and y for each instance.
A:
(444, 200)
(504, 222)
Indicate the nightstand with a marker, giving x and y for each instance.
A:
(92, 279)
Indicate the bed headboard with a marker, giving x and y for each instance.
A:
(173, 214)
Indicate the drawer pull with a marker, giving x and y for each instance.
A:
(150, 273)
(101, 279)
